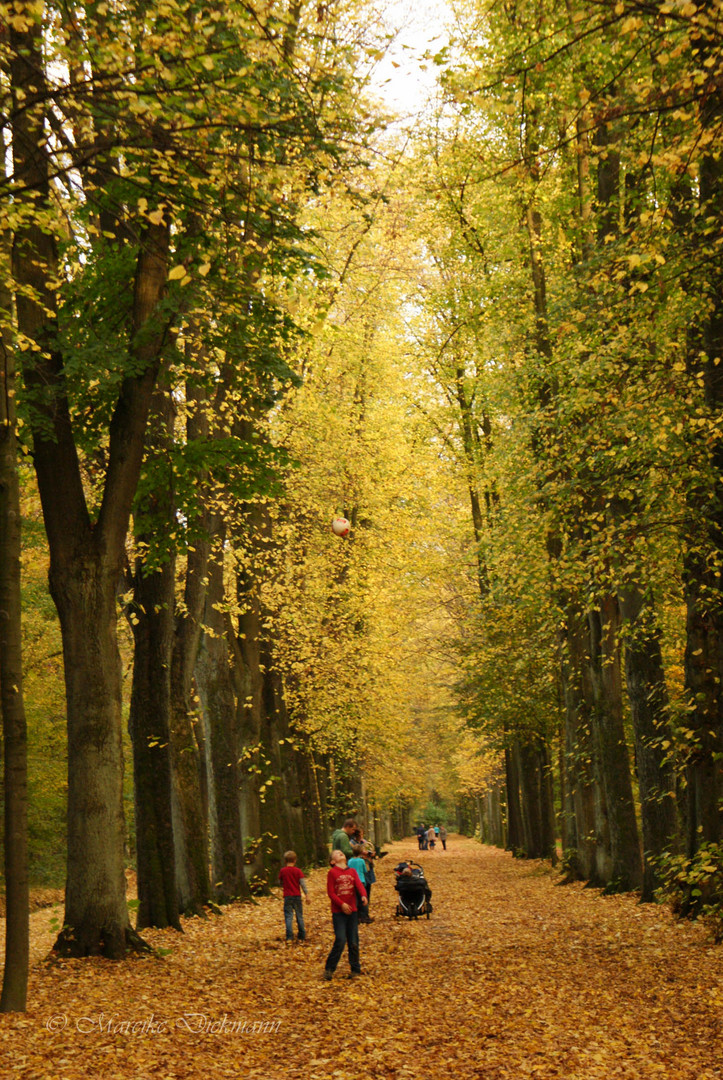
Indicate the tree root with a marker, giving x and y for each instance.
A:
(114, 945)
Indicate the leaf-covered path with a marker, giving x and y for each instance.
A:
(511, 977)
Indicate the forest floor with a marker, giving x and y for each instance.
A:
(511, 977)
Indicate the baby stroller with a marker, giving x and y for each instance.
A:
(413, 892)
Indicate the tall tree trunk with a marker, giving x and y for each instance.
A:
(584, 805)
(703, 579)
(530, 802)
(14, 729)
(648, 698)
(515, 837)
(536, 801)
(86, 559)
(471, 449)
(218, 706)
(611, 753)
(149, 720)
(611, 747)
(190, 826)
(149, 727)
(703, 674)
(319, 816)
(248, 676)
(96, 915)
(289, 805)
(568, 827)
(591, 861)
(547, 802)
(494, 817)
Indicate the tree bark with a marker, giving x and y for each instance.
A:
(547, 802)
(611, 747)
(190, 828)
(14, 728)
(218, 707)
(151, 620)
(648, 698)
(494, 817)
(96, 916)
(86, 558)
(471, 448)
(288, 809)
(530, 803)
(703, 579)
(591, 859)
(246, 644)
(85, 572)
(149, 726)
(319, 816)
(190, 825)
(515, 837)
(536, 801)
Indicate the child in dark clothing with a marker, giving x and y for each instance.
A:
(292, 882)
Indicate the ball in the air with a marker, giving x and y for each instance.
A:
(340, 526)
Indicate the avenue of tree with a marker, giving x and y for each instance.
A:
(232, 306)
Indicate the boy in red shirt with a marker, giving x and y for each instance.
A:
(342, 886)
(292, 882)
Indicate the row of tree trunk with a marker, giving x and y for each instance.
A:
(208, 716)
(615, 715)
(224, 781)
(610, 648)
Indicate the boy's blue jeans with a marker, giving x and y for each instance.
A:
(293, 904)
(346, 932)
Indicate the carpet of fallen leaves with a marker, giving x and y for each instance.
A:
(511, 977)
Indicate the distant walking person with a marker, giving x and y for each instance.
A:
(431, 837)
(292, 882)
(421, 833)
(343, 886)
(443, 836)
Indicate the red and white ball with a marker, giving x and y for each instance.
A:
(340, 526)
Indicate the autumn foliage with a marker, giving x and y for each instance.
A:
(235, 305)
